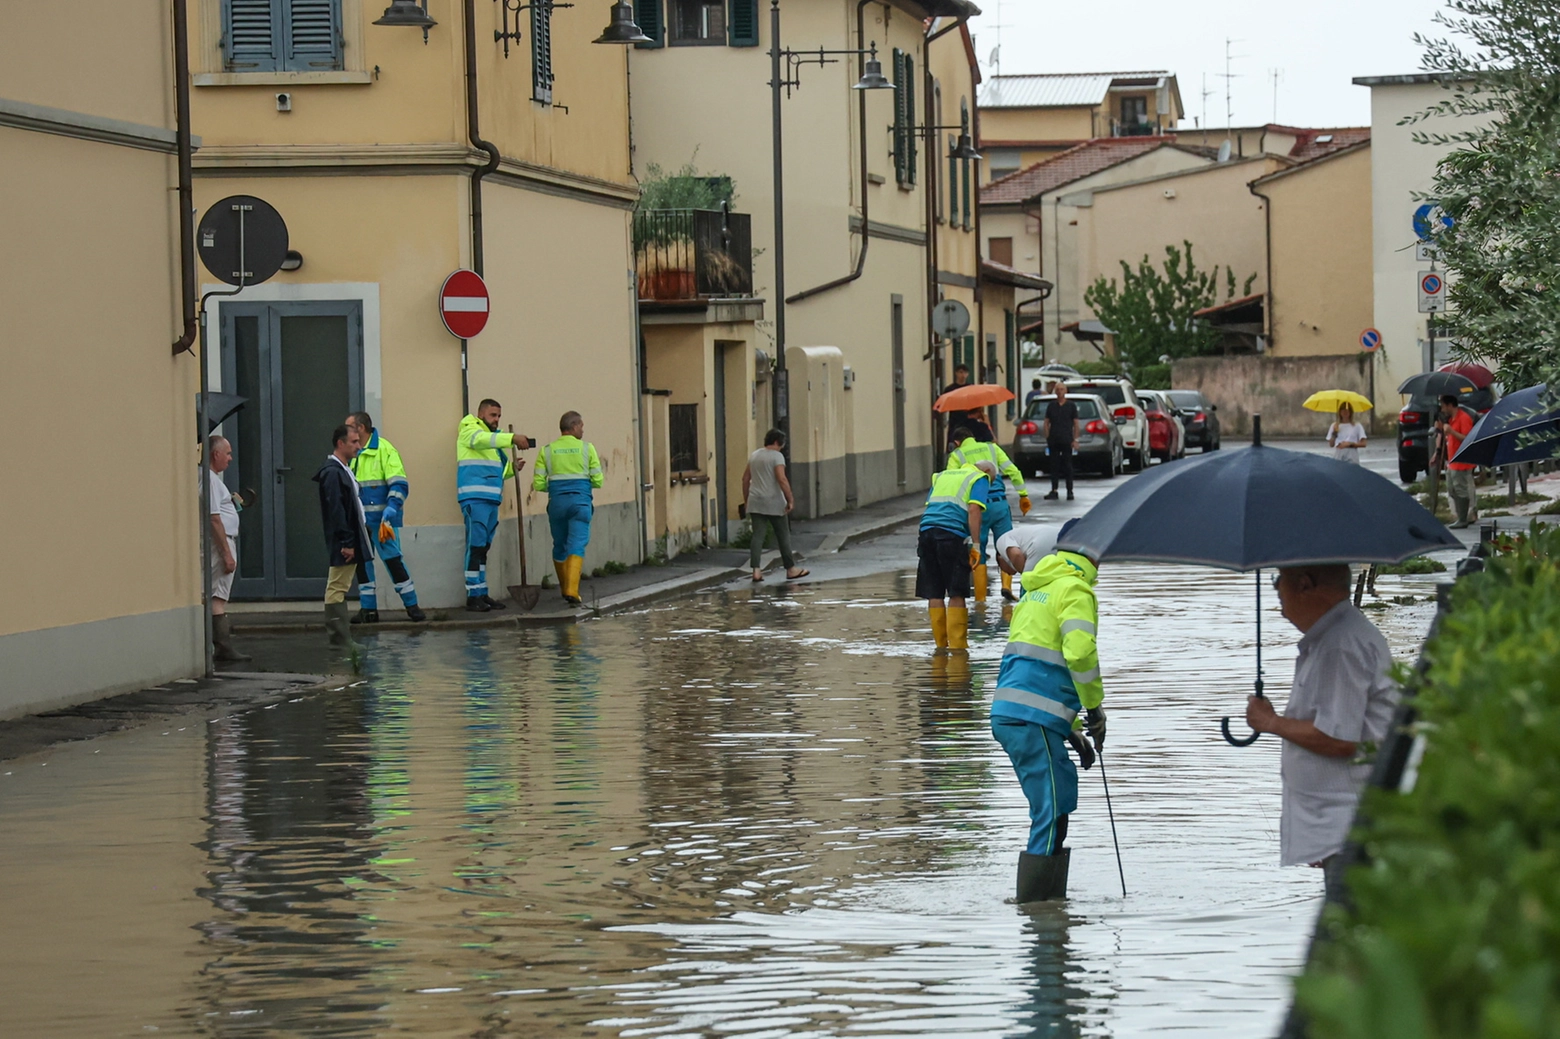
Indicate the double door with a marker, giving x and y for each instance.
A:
(300, 364)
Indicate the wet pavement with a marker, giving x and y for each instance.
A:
(761, 811)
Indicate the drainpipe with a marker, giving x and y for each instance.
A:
(474, 135)
(181, 101)
(932, 117)
(861, 119)
(1267, 306)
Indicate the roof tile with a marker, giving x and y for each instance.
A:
(1065, 167)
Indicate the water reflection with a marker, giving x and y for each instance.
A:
(762, 813)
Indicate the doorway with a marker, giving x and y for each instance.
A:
(897, 330)
(300, 364)
(721, 492)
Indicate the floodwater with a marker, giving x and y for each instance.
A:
(751, 814)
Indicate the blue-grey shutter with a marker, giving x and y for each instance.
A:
(541, 52)
(906, 90)
(647, 13)
(249, 32)
(742, 23)
(900, 152)
(313, 35)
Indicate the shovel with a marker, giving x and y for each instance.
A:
(525, 593)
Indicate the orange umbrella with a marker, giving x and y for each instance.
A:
(975, 395)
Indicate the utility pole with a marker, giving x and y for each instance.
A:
(1276, 75)
(779, 380)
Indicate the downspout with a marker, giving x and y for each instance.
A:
(861, 119)
(474, 135)
(181, 102)
(1039, 216)
(1267, 305)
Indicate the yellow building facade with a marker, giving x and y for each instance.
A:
(99, 513)
(396, 157)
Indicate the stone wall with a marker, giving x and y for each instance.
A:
(1275, 388)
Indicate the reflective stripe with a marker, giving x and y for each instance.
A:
(478, 463)
(1038, 702)
(1084, 677)
(480, 488)
(962, 494)
(1078, 624)
(555, 478)
(1034, 652)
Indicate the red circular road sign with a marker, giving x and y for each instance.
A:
(463, 304)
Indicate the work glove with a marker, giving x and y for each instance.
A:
(1085, 752)
(386, 532)
(1095, 723)
(974, 558)
(1023, 504)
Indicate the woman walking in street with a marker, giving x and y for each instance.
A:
(1346, 435)
(767, 495)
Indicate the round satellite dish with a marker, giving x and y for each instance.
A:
(1224, 151)
(950, 319)
(242, 240)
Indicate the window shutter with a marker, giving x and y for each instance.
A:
(541, 52)
(1010, 354)
(953, 186)
(969, 171)
(906, 89)
(742, 23)
(647, 13)
(248, 36)
(313, 35)
(899, 116)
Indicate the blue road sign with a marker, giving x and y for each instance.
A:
(1429, 221)
(1431, 283)
(1370, 340)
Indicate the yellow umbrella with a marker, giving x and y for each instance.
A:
(1330, 400)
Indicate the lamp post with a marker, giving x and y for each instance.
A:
(787, 78)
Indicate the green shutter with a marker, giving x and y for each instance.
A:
(541, 52)
(249, 35)
(899, 116)
(953, 186)
(968, 358)
(965, 198)
(741, 23)
(313, 35)
(647, 13)
(1010, 353)
(906, 89)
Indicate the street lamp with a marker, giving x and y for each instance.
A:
(872, 78)
(406, 12)
(622, 28)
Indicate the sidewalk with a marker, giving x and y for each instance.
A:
(610, 593)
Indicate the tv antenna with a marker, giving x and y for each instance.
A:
(1277, 76)
(1229, 78)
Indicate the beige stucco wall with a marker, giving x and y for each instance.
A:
(1038, 124)
(1320, 287)
(1211, 207)
(102, 587)
(1273, 387)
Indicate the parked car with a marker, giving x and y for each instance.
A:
(1100, 448)
(1200, 416)
(1416, 426)
(1166, 431)
(1121, 400)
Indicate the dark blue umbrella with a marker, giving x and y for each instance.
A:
(1248, 510)
(1521, 427)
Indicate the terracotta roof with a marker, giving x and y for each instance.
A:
(1065, 167)
(1234, 304)
(1003, 274)
(1316, 143)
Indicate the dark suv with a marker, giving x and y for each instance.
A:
(1200, 418)
(1416, 424)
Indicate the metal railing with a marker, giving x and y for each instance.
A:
(692, 254)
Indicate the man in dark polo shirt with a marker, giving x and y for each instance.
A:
(1061, 439)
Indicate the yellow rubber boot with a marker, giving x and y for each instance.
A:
(939, 624)
(1007, 586)
(980, 583)
(959, 628)
(560, 567)
(572, 568)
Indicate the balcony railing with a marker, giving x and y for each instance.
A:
(693, 254)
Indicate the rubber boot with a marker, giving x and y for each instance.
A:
(981, 583)
(560, 567)
(339, 627)
(366, 617)
(1460, 505)
(1042, 878)
(959, 628)
(222, 641)
(572, 567)
(415, 613)
(939, 624)
(1007, 587)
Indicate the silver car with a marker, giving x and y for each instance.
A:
(1100, 447)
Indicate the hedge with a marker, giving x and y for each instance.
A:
(1455, 930)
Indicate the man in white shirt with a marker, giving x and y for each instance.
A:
(224, 551)
(1343, 697)
(1026, 544)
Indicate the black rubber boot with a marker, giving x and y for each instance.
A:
(1042, 878)
(222, 641)
(494, 604)
(339, 626)
(366, 617)
(477, 604)
(415, 613)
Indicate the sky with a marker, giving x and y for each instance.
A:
(1319, 46)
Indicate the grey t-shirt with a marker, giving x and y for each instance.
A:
(1343, 687)
(764, 494)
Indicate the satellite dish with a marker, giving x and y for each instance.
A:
(1224, 152)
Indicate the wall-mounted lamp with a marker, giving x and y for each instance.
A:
(292, 260)
(872, 78)
(408, 12)
(964, 148)
(622, 28)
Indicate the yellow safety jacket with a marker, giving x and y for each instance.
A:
(948, 503)
(481, 466)
(973, 451)
(1051, 669)
(568, 465)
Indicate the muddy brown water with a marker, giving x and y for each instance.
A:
(748, 814)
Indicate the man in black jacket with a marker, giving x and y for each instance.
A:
(346, 536)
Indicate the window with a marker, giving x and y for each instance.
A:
(683, 431)
(698, 21)
(904, 119)
(541, 52)
(1002, 161)
(281, 35)
(1000, 250)
(1134, 111)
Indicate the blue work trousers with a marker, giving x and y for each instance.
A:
(389, 553)
(1047, 774)
(994, 522)
(481, 522)
(569, 516)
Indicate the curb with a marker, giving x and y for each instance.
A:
(836, 542)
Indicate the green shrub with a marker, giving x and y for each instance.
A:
(1551, 509)
(1498, 499)
(1417, 565)
(1152, 377)
(1456, 931)
(1104, 366)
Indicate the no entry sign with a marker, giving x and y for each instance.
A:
(463, 304)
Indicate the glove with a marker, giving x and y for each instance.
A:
(974, 558)
(1085, 752)
(1095, 723)
(386, 532)
(1023, 504)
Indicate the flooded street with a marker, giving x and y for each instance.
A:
(750, 813)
